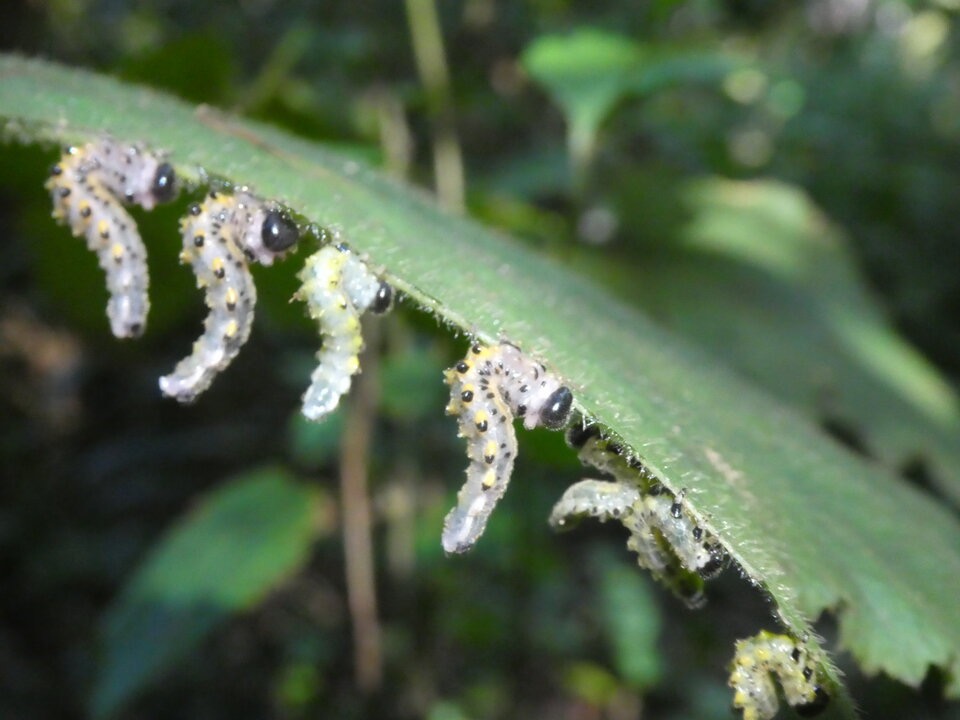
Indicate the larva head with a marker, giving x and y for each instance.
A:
(164, 188)
(383, 300)
(580, 434)
(556, 410)
(816, 706)
(279, 232)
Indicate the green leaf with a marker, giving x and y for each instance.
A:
(240, 542)
(588, 72)
(812, 525)
(632, 624)
(777, 296)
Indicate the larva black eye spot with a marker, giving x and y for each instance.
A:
(279, 232)
(164, 183)
(383, 300)
(556, 411)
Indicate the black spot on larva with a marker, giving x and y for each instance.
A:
(198, 240)
(462, 367)
(56, 170)
(795, 655)
(556, 410)
(697, 533)
(164, 183)
(279, 232)
(220, 273)
(383, 299)
(136, 329)
(466, 396)
(85, 211)
(676, 510)
(521, 409)
(195, 209)
(482, 426)
(63, 192)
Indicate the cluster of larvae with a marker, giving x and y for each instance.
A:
(795, 665)
(666, 537)
(221, 237)
(489, 388)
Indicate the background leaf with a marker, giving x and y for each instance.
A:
(234, 547)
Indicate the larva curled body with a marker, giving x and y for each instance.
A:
(664, 535)
(88, 185)
(758, 659)
(488, 388)
(220, 236)
(338, 288)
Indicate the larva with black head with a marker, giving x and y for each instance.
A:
(488, 388)
(88, 186)
(759, 659)
(220, 236)
(338, 288)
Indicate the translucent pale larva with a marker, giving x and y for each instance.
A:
(488, 388)
(220, 236)
(338, 288)
(88, 185)
(757, 660)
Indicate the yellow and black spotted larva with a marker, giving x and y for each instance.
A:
(338, 288)
(88, 185)
(757, 660)
(220, 236)
(488, 388)
(666, 538)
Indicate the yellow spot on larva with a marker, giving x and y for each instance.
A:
(353, 364)
(217, 265)
(231, 297)
(489, 480)
(231, 329)
(117, 251)
(490, 451)
(103, 228)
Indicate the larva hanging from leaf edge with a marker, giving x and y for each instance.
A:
(88, 186)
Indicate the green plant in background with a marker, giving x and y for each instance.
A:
(751, 269)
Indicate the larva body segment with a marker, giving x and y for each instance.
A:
(219, 237)
(757, 660)
(88, 185)
(338, 288)
(488, 388)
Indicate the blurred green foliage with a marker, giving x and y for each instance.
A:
(644, 174)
